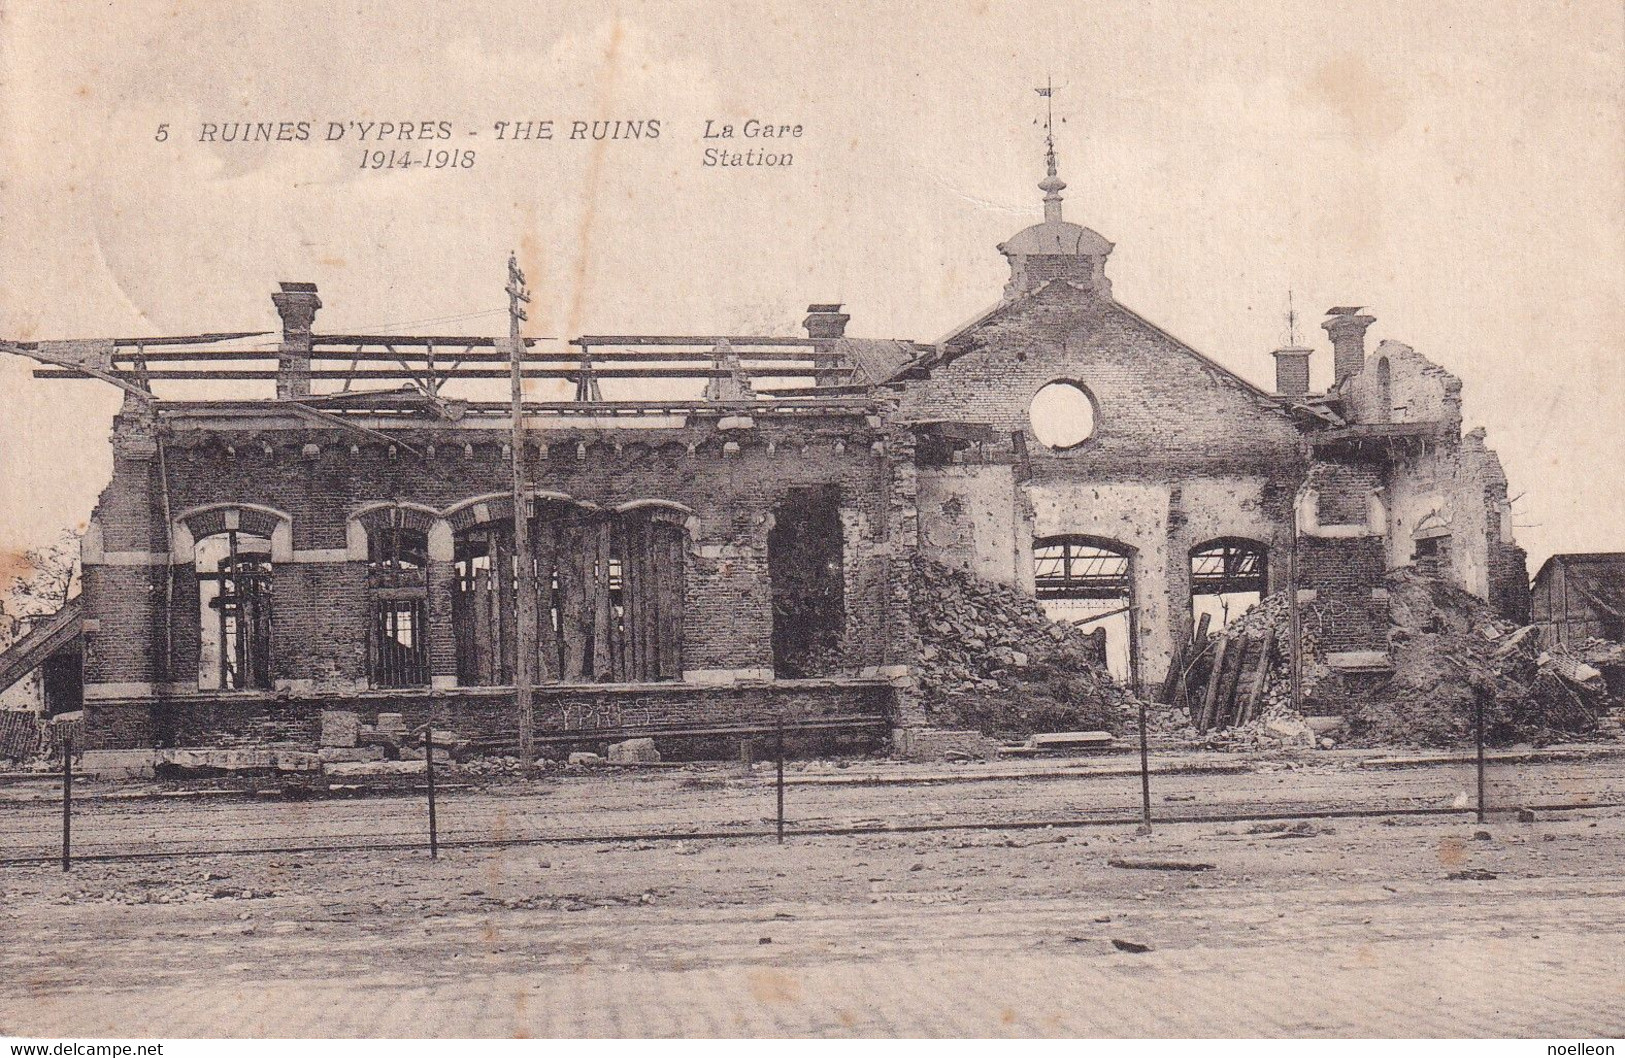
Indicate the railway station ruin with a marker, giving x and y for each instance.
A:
(706, 566)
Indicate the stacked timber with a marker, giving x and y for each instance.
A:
(1222, 680)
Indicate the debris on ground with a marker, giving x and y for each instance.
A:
(634, 751)
(991, 660)
(1159, 865)
(1130, 946)
(1448, 652)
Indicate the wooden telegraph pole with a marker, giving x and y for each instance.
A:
(525, 647)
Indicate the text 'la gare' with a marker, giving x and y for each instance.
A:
(750, 130)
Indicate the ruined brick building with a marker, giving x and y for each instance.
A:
(711, 565)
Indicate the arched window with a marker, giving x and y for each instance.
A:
(397, 581)
(1089, 581)
(1228, 575)
(231, 553)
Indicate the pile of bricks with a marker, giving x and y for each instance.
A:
(991, 660)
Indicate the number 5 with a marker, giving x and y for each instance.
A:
(163, 132)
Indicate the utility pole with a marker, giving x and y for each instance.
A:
(525, 647)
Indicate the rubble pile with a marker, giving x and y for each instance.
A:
(992, 661)
(1448, 650)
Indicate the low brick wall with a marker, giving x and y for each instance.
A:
(564, 715)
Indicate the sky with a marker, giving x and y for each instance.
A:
(1460, 175)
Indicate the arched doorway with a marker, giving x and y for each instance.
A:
(1088, 581)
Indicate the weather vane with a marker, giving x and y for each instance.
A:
(1047, 93)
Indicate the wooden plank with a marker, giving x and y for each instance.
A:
(468, 341)
(1232, 681)
(507, 606)
(1209, 699)
(483, 632)
(573, 590)
(648, 601)
(1171, 681)
(632, 597)
(699, 340)
(603, 667)
(427, 351)
(388, 374)
(1249, 712)
(544, 535)
(617, 630)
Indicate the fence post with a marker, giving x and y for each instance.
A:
(1479, 724)
(778, 752)
(428, 765)
(67, 800)
(1145, 773)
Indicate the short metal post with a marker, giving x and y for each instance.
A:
(778, 747)
(67, 801)
(1145, 773)
(1479, 710)
(428, 763)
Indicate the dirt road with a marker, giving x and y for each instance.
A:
(1408, 926)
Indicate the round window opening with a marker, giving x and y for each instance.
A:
(1062, 415)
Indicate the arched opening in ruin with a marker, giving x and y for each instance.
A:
(234, 595)
(1088, 581)
(1385, 390)
(397, 586)
(230, 547)
(1228, 575)
(609, 593)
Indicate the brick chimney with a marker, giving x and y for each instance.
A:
(296, 303)
(1292, 371)
(1346, 326)
(825, 321)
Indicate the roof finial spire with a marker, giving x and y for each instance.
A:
(1052, 185)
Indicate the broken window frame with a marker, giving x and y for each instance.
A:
(244, 581)
(1229, 565)
(397, 583)
(1086, 567)
(610, 592)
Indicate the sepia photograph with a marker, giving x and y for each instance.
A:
(698, 520)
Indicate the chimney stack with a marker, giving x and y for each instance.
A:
(1292, 371)
(1346, 326)
(825, 321)
(296, 303)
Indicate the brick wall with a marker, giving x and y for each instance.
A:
(1345, 491)
(592, 714)
(321, 600)
(1158, 403)
(1347, 578)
